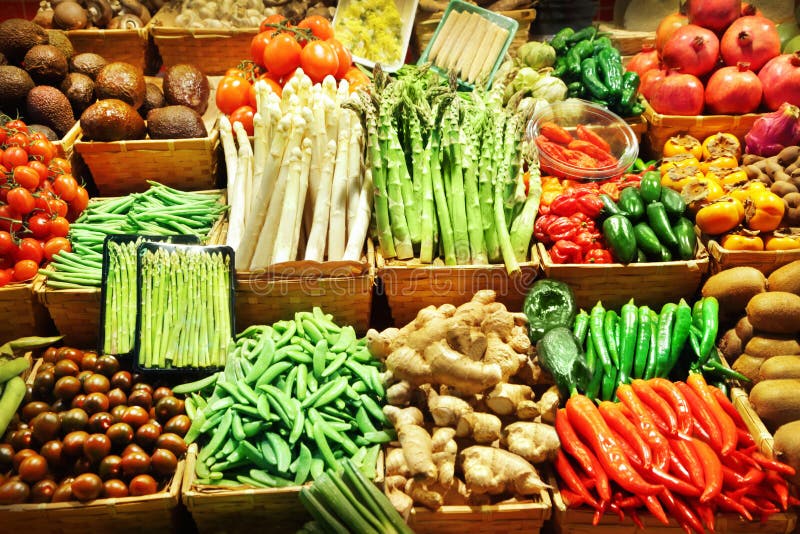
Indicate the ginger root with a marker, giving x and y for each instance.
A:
(483, 427)
(505, 398)
(396, 463)
(399, 393)
(445, 450)
(494, 471)
(415, 441)
(527, 410)
(396, 492)
(446, 409)
(548, 405)
(536, 442)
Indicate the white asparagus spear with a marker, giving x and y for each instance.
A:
(283, 240)
(305, 165)
(338, 221)
(355, 241)
(317, 238)
(244, 169)
(354, 166)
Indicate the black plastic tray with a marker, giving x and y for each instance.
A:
(124, 239)
(198, 249)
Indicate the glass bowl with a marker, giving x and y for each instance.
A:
(613, 129)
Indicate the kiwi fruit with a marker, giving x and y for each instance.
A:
(47, 105)
(777, 402)
(14, 86)
(767, 346)
(786, 278)
(749, 366)
(87, 63)
(780, 367)
(776, 311)
(121, 81)
(734, 288)
(17, 36)
(175, 122)
(186, 85)
(79, 89)
(111, 120)
(46, 64)
(153, 99)
(786, 447)
(744, 330)
(730, 345)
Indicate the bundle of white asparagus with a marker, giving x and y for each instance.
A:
(301, 190)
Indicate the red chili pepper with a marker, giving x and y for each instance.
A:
(604, 159)
(570, 498)
(600, 256)
(628, 450)
(731, 479)
(712, 470)
(570, 478)
(794, 501)
(677, 468)
(587, 134)
(636, 519)
(590, 204)
(726, 425)
(631, 501)
(554, 150)
(682, 513)
(617, 421)
(571, 443)
(564, 251)
(685, 452)
(562, 228)
(775, 465)
(726, 404)
(702, 417)
(670, 392)
(754, 476)
(589, 424)
(565, 204)
(541, 227)
(555, 133)
(766, 507)
(780, 486)
(653, 505)
(656, 404)
(672, 483)
(706, 514)
(645, 424)
(730, 504)
(749, 503)
(744, 438)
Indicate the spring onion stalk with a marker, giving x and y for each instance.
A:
(358, 232)
(338, 218)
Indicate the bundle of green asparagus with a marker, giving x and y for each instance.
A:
(450, 173)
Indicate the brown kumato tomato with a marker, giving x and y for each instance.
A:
(178, 425)
(6, 456)
(32, 409)
(135, 463)
(53, 452)
(133, 447)
(87, 486)
(74, 419)
(147, 435)
(21, 455)
(120, 434)
(66, 387)
(173, 442)
(14, 492)
(66, 368)
(141, 398)
(135, 416)
(46, 426)
(63, 492)
(43, 490)
(89, 361)
(163, 462)
(168, 407)
(161, 392)
(122, 380)
(110, 467)
(33, 468)
(143, 485)
(107, 365)
(114, 488)
(96, 383)
(100, 422)
(96, 447)
(117, 397)
(96, 402)
(73, 442)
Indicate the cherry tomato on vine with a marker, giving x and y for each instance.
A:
(20, 200)
(282, 54)
(81, 200)
(26, 177)
(39, 225)
(14, 156)
(244, 114)
(257, 45)
(232, 93)
(345, 58)
(3, 136)
(6, 276)
(55, 245)
(59, 227)
(16, 126)
(41, 170)
(25, 270)
(65, 187)
(10, 220)
(319, 59)
(272, 19)
(30, 249)
(6, 243)
(19, 139)
(319, 26)
(41, 150)
(37, 135)
(58, 207)
(356, 78)
(59, 166)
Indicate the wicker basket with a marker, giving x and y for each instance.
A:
(245, 509)
(343, 289)
(628, 42)
(411, 286)
(123, 167)
(76, 312)
(150, 513)
(426, 22)
(661, 127)
(652, 284)
(763, 437)
(23, 314)
(131, 46)
(212, 50)
(765, 261)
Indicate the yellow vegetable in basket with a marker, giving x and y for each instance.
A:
(683, 159)
(721, 144)
(765, 211)
(683, 144)
(782, 242)
(744, 193)
(722, 162)
(742, 242)
(720, 217)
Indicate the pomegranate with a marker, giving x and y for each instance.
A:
(645, 60)
(667, 27)
(733, 91)
(749, 10)
(754, 40)
(692, 49)
(678, 94)
(781, 80)
(715, 15)
(649, 81)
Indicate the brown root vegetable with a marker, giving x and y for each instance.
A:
(791, 216)
(750, 159)
(495, 471)
(483, 428)
(788, 156)
(446, 410)
(415, 441)
(505, 398)
(548, 405)
(783, 187)
(536, 442)
(775, 311)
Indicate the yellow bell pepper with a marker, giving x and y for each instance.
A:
(722, 162)
(677, 177)
(682, 144)
(742, 242)
(678, 160)
(721, 144)
(743, 193)
(719, 217)
(765, 211)
(551, 188)
(782, 242)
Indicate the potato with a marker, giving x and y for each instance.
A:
(786, 446)
(786, 278)
(766, 346)
(734, 288)
(749, 366)
(777, 402)
(730, 345)
(776, 311)
(780, 367)
(744, 330)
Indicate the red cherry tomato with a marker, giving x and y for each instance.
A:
(319, 59)
(6, 276)
(345, 58)
(319, 26)
(272, 19)
(7, 245)
(26, 177)
(56, 245)
(7, 215)
(59, 227)
(25, 270)
(232, 93)
(39, 225)
(14, 156)
(282, 54)
(41, 150)
(257, 45)
(58, 207)
(16, 125)
(65, 187)
(3, 136)
(19, 139)
(20, 200)
(59, 166)
(81, 200)
(244, 115)
(30, 249)
(40, 168)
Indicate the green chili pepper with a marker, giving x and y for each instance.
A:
(697, 314)
(560, 67)
(630, 89)
(596, 369)
(642, 343)
(683, 320)
(627, 339)
(659, 222)
(559, 40)
(609, 385)
(575, 57)
(673, 202)
(575, 89)
(609, 325)
(646, 239)
(610, 68)
(596, 319)
(581, 326)
(631, 203)
(725, 372)
(600, 43)
(585, 34)
(650, 368)
(609, 206)
(687, 239)
(710, 328)
(663, 254)
(650, 186)
(590, 78)
(666, 320)
(619, 234)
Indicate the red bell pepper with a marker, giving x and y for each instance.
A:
(587, 241)
(541, 228)
(562, 228)
(564, 251)
(590, 204)
(564, 204)
(598, 255)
